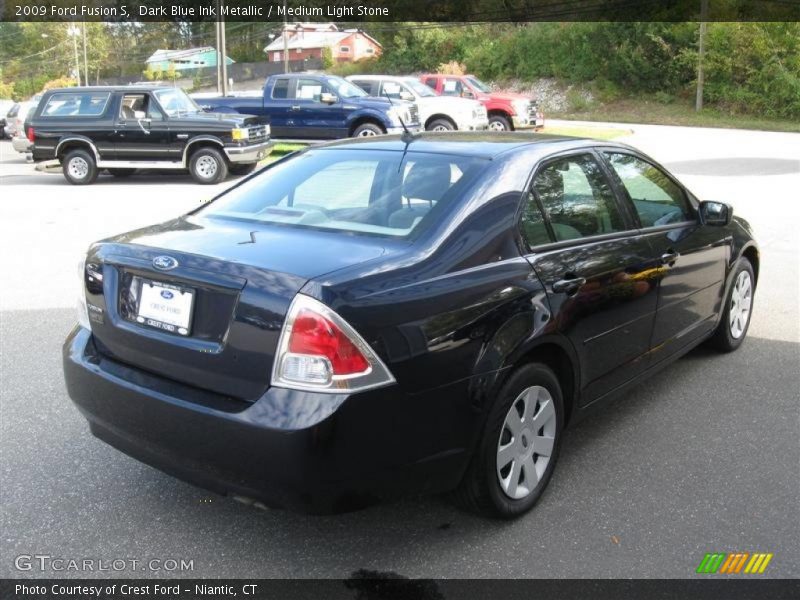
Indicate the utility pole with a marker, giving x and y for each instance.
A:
(698, 103)
(285, 41)
(223, 52)
(219, 59)
(72, 31)
(85, 61)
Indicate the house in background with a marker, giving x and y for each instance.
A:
(191, 58)
(307, 40)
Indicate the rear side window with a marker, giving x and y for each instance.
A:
(74, 104)
(431, 82)
(657, 199)
(367, 86)
(281, 88)
(577, 198)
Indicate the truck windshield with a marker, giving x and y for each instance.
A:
(479, 85)
(386, 193)
(345, 89)
(175, 101)
(419, 88)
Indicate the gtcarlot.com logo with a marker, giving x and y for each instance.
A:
(734, 563)
(46, 563)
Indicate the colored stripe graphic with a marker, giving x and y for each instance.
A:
(733, 562)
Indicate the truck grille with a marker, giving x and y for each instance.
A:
(257, 133)
(413, 110)
(532, 110)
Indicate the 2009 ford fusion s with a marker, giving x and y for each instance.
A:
(401, 315)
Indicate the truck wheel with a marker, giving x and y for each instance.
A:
(79, 167)
(122, 172)
(440, 125)
(243, 169)
(368, 130)
(208, 166)
(499, 123)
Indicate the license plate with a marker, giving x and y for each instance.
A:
(166, 307)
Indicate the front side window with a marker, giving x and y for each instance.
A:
(656, 198)
(90, 104)
(309, 89)
(175, 102)
(391, 89)
(356, 191)
(452, 87)
(577, 198)
(479, 85)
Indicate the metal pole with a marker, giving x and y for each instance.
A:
(285, 41)
(223, 52)
(698, 102)
(85, 61)
(219, 71)
(73, 32)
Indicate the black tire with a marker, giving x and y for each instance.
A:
(122, 172)
(79, 167)
(499, 123)
(723, 338)
(201, 169)
(480, 490)
(243, 169)
(440, 125)
(367, 130)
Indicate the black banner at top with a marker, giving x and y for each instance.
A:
(400, 10)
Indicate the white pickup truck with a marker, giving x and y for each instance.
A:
(436, 113)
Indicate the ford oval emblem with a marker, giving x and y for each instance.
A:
(164, 263)
(166, 294)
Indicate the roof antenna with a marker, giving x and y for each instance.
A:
(407, 135)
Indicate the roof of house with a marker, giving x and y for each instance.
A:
(160, 55)
(314, 39)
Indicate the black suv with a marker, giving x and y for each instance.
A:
(123, 129)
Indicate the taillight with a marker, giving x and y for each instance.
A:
(318, 350)
(31, 135)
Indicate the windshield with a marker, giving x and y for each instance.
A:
(175, 101)
(479, 85)
(357, 191)
(345, 89)
(419, 88)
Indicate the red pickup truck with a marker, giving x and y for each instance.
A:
(507, 112)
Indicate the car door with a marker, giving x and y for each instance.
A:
(141, 131)
(279, 108)
(596, 268)
(693, 257)
(317, 119)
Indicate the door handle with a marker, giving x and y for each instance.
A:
(568, 286)
(295, 108)
(669, 257)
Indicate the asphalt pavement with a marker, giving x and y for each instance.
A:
(701, 458)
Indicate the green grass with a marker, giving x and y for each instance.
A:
(598, 133)
(680, 112)
(281, 149)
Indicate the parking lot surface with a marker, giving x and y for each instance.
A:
(701, 458)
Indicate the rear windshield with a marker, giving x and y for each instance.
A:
(382, 193)
(86, 104)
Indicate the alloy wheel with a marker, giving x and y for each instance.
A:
(496, 126)
(206, 167)
(366, 133)
(526, 442)
(741, 300)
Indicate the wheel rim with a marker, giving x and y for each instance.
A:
(206, 167)
(496, 126)
(741, 300)
(441, 128)
(526, 442)
(78, 167)
(366, 133)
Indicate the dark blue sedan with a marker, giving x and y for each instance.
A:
(398, 315)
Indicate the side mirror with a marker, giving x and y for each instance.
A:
(467, 94)
(406, 95)
(139, 115)
(716, 214)
(328, 98)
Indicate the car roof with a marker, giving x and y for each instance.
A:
(469, 143)
(111, 88)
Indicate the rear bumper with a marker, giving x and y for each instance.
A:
(249, 154)
(317, 453)
(21, 144)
